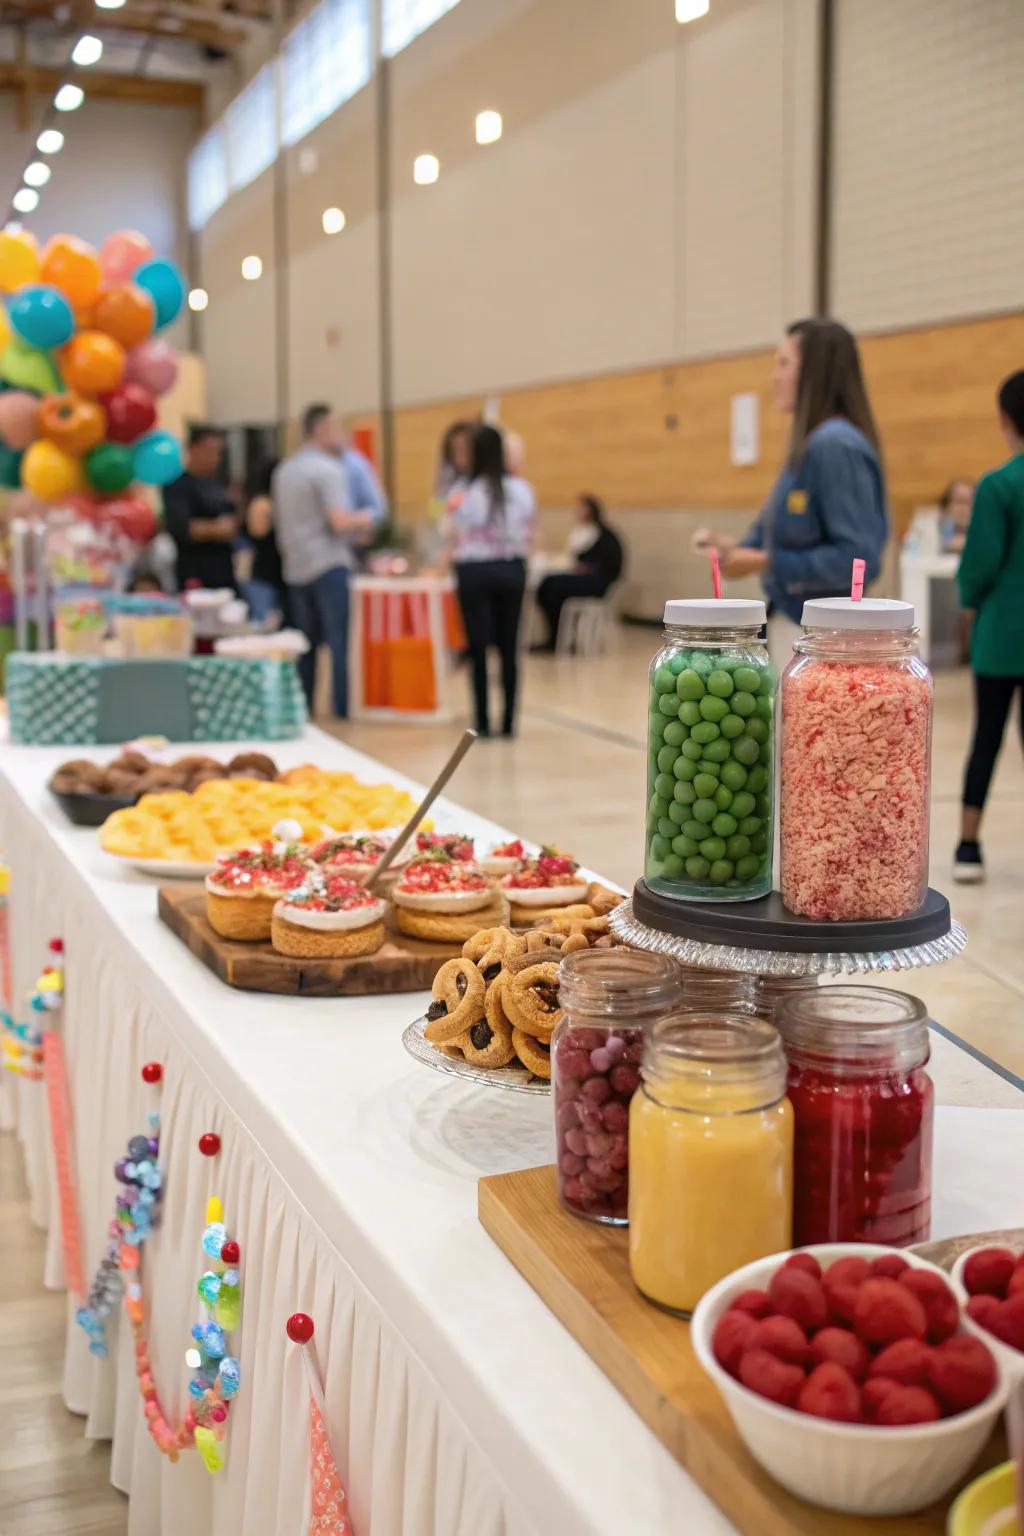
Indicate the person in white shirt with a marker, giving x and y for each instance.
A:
(492, 526)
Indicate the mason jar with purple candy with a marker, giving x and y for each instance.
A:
(607, 996)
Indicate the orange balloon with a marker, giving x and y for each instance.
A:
(91, 363)
(74, 424)
(72, 266)
(127, 313)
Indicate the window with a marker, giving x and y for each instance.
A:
(324, 61)
(406, 19)
(251, 126)
(207, 177)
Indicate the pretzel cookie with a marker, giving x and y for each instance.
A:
(484, 1046)
(493, 946)
(525, 917)
(534, 1054)
(458, 1001)
(530, 999)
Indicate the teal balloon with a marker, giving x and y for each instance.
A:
(25, 367)
(162, 281)
(110, 467)
(42, 316)
(10, 467)
(157, 459)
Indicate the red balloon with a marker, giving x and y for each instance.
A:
(131, 411)
(209, 1143)
(84, 504)
(132, 515)
(299, 1328)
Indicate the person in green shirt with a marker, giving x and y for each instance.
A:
(991, 580)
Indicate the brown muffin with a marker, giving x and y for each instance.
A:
(252, 765)
(77, 776)
(132, 762)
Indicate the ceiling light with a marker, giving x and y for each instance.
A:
(198, 298)
(36, 175)
(69, 98)
(25, 200)
(252, 268)
(50, 141)
(688, 10)
(333, 221)
(109, 5)
(88, 50)
(426, 169)
(488, 127)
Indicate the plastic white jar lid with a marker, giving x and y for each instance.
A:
(868, 613)
(716, 612)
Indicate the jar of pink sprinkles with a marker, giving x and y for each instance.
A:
(856, 745)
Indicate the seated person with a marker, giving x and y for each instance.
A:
(598, 554)
(955, 505)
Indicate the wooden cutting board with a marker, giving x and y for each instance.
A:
(581, 1270)
(402, 964)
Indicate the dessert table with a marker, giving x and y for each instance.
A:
(457, 1404)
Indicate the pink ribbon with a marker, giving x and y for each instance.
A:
(60, 1115)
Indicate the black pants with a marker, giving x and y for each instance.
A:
(992, 699)
(491, 598)
(554, 590)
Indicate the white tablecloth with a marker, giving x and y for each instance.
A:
(457, 1404)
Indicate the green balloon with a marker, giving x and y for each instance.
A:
(10, 467)
(26, 367)
(109, 467)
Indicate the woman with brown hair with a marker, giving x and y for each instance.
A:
(828, 505)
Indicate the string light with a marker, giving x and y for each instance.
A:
(252, 268)
(333, 221)
(25, 200)
(88, 50)
(198, 298)
(488, 127)
(426, 169)
(69, 98)
(50, 141)
(690, 10)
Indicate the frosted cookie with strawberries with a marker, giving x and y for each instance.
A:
(444, 898)
(544, 886)
(455, 844)
(505, 858)
(354, 854)
(244, 886)
(330, 918)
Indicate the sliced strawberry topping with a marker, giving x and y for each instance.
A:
(442, 874)
(455, 844)
(252, 868)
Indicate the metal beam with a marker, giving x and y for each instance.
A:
(109, 87)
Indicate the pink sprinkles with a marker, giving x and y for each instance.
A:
(854, 791)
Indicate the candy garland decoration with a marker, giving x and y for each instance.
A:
(23, 1043)
(136, 1213)
(59, 1103)
(328, 1504)
(6, 986)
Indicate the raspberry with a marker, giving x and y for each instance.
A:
(1008, 1321)
(907, 1405)
(771, 1378)
(888, 1266)
(1016, 1280)
(962, 1373)
(907, 1362)
(805, 1261)
(982, 1309)
(840, 1281)
(830, 1393)
(781, 1337)
(941, 1307)
(843, 1348)
(798, 1295)
(754, 1302)
(886, 1311)
(989, 1272)
(733, 1334)
(873, 1393)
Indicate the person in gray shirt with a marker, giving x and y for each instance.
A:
(317, 535)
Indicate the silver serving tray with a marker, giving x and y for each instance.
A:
(513, 1079)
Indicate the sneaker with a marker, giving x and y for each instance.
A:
(968, 865)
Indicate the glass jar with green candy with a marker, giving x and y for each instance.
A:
(711, 753)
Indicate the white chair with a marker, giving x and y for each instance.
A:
(586, 624)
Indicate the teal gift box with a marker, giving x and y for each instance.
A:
(56, 700)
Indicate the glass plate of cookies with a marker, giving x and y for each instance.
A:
(514, 1076)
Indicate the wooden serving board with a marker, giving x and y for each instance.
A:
(402, 964)
(581, 1270)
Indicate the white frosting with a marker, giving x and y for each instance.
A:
(330, 922)
(500, 864)
(442, 901)
(245, 893)
(545, 895)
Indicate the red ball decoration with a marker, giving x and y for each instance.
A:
(209, 1144)
(56, 946)
(152, 1072)
(230, 1253)
(299, 1328)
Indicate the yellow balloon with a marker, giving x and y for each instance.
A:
(5, 330)
(19, 259)
(50, 473)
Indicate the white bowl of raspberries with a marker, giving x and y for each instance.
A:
(850, 1375)
(993, 1279)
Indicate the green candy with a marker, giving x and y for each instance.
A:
(666, 828)
(713, 770)
(748, 679)
(668, 704)
(757, 780)
(722, 797)
(723, 825)
(673, 865)
(744, 750)
(685, 768)
(759, 842)
(689, 685)
(734, 775)
(721, 871)
(689, 712)
(667, 759)
(720, 683)
(713, 848)
(658, 806)
(762, 807)
(697, 867)
(664, 784)
(656, 726)
(743, 704)
(683, 793)
(674, 733)
(702, 664)
(743, 804)
(763, 706)
(706, 731)
(664, 680)
(758, 729)
(695, 829)
(765, 752)
(731, 726)
(704, 810)
(685, 846)
(749, 825)
(678, 813)
(659, 847)
(747, 867)
(737, 846)
(717, 751)
(677, 664)
(713, 708)
(704, 786)
(766, 686)
(692, 749)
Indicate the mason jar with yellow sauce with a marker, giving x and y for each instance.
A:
(710, 1154)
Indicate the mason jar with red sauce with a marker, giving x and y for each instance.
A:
(863, 1107)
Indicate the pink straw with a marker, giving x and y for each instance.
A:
(716, 573)
(857, 581)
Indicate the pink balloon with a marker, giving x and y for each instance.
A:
(121, 253)
(153, 364)
(19, 418)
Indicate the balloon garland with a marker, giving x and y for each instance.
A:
(23, 1043)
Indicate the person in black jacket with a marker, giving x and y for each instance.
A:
(599, 558)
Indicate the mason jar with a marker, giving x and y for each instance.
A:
(711, 753)
(856, 741)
